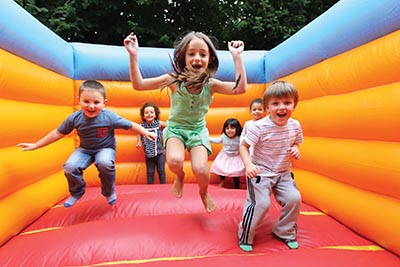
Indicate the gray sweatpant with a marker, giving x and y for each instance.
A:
(258, 202)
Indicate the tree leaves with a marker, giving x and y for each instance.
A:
(262, 24)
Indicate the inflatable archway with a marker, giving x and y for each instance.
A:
(346, 70)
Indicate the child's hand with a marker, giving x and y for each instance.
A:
(236, 47)
(252, 170)
(152, 136)
(138, 145)
(131, 44)
(27, 146)
(294, 151)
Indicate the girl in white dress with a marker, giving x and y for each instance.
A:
(228, 162)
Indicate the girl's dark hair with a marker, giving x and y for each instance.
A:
(148, 104)
(182, 73)
(233, 123)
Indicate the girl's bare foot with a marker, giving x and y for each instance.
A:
(208, 203)
(178, 187)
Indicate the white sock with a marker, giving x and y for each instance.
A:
(112, 198)
(70, 201)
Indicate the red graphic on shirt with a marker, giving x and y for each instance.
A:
(102, 132)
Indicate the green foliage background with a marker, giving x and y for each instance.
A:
(261, 24)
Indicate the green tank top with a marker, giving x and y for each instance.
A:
(188, 111)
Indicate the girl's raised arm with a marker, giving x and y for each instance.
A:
(240, 85)
(138, 82)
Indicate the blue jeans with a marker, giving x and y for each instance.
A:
(80, 159)
(153, 163)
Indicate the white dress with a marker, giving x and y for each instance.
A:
(228, 161)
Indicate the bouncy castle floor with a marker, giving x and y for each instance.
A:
(148, 226)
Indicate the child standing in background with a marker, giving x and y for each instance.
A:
(257, 111)
(274, 140)
(153, 150)
(95, 127)
(228, 161)
(192, 88)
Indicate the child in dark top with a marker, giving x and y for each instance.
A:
(95, 127)
(228, 161)
(154, 150)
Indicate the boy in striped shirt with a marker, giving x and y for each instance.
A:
(274, 141)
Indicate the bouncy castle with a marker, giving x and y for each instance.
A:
(345, 65)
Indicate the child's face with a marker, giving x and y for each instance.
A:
(257, 111)
(230, 131)
(197, 55)
(149, 114)
(280, 109)
(91, 102)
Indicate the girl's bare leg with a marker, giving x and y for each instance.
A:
(199, 158)
(175, 151)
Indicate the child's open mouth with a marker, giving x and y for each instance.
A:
(197, 67)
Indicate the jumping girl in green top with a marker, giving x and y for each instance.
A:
(192, 85)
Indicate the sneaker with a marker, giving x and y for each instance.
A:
(111, 199)
(292, 244)
(246, 247)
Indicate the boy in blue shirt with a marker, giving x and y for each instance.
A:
(95, 127)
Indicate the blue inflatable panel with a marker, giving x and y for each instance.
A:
(346, 25)
(105, 62)
(23, 35)
(253, 62)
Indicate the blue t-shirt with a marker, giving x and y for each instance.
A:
(97, 132)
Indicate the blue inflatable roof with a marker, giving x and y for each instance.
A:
(348, 24)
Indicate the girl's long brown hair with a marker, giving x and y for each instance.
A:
(185, 74)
